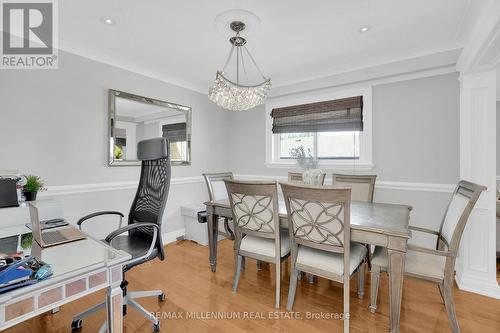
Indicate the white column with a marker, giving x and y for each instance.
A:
(476, 266)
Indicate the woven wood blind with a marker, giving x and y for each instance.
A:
(175, 132)
(344, 114)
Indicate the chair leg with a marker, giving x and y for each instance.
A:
(440, 287)
(89, 311)
(374, 285)
(450, 305)
(243, 264)
(142, 311)
(229, 232)
(292, 288)
(103, 327)
(346, 306)
(278, 283)
(369, 256)
(361, 281)
(141, 294)
(300, 275)
(239, 260)
(311, 278)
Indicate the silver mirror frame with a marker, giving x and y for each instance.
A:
(112, 94)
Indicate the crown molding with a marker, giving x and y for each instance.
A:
(426, 65)
(134, 69)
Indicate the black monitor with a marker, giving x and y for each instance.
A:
(8, 193)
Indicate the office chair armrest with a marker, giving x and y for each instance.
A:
(90, 216)
(156, 230)
(431, 251)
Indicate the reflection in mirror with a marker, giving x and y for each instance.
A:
(134, 118)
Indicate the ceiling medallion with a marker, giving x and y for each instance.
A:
(231, 94)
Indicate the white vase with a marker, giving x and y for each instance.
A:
(312, 176)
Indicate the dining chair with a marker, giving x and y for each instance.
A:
(320, 237)
(254, 206)
(436, 265)
(362, 186)
(297, 177)
(362, 189)
(217, 191)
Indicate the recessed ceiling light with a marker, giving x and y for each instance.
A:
(107, 20)
(364, 28)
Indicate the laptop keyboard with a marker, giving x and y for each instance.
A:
(53, 237)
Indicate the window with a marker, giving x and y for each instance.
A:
(322, 145)
(336, 138)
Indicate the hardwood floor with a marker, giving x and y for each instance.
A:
(190, 288)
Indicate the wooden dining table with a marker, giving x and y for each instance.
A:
(378, 224)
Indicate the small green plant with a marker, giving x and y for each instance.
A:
(118, 152)
(306, 162)
(33, 184)
(26, 241)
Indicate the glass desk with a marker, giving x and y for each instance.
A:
(80, 268)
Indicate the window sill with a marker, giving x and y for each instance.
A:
(325, 165)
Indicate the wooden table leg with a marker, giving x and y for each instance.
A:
(213, 234)
(396, 257)
(114, 305)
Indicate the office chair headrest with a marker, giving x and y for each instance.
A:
(152, 149)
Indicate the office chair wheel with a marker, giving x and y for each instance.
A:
(76, 325)
(161, 298)
(156, 327)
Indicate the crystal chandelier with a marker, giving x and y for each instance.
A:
(232, 95)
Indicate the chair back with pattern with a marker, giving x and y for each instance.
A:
(152, 192)
(318, 216)
(457, 214)
(362, 186)
(255, 208)
(215, 184)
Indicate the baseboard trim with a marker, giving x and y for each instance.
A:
(479, 286)
(171, 236)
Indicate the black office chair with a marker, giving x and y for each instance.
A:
(143, 240)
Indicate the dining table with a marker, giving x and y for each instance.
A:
(379, 224)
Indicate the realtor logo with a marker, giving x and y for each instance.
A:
(29, 34)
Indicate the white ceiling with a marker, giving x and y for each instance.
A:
(177, 41)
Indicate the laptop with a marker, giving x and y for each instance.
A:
(46, 238)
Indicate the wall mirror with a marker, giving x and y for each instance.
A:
(133, 118)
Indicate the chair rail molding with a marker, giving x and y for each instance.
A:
(102, 187)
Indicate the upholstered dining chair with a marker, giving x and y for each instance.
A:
(256, 227)
(438, 264)
(217, 191)
(362, 189)
(362, 186)
(320, 237)
(297, 177)
(142, 236)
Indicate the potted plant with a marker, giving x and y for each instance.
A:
(34, 184)
(311, 175)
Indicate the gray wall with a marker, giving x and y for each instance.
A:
(498, 139)
(415, 133)
(53, 123)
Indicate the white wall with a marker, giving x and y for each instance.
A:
(415, 144)
(53, 123)
(62, 128)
